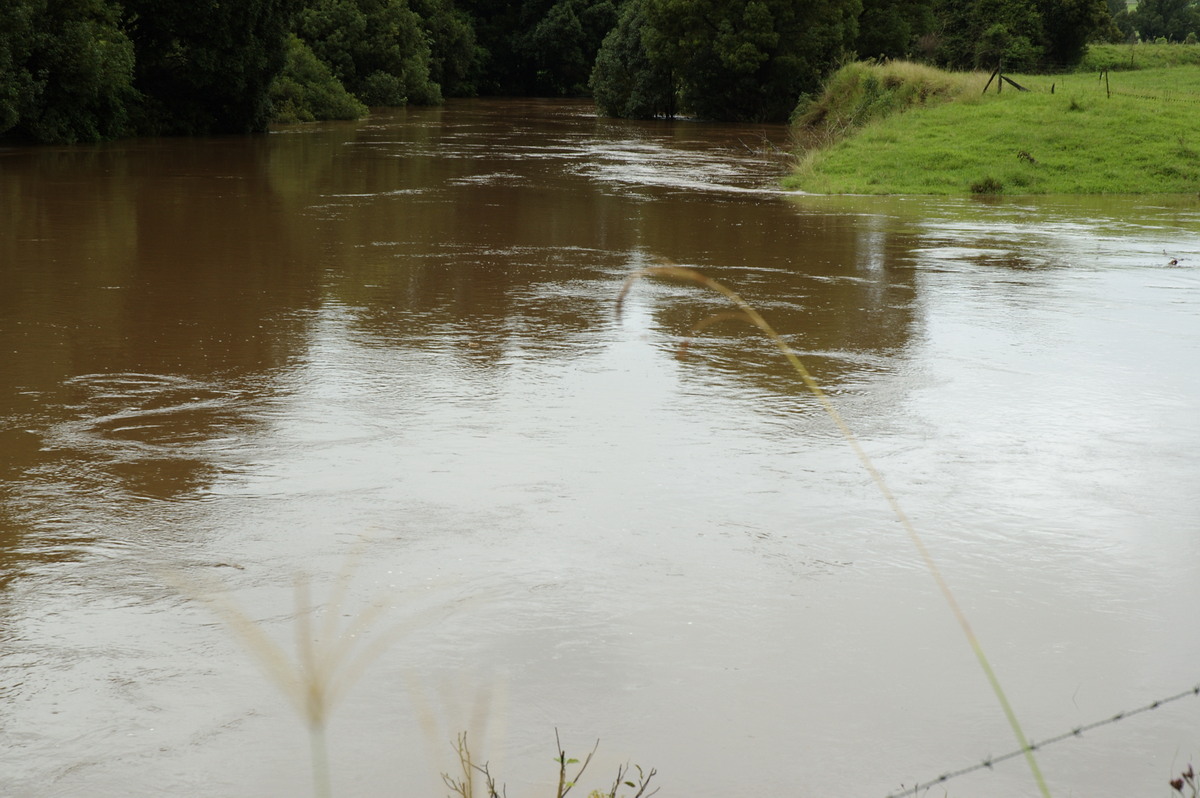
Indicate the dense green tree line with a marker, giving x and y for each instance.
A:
(539, 47)
(1021, 36)
(1152, 20)
(721, 59)
(86, 70)
(66, 70)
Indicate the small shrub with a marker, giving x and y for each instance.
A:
(988, 185)
(1074, 105)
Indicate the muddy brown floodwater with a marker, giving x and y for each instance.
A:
(389, 347)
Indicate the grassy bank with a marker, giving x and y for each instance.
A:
(885, 130)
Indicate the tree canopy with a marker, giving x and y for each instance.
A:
(376, 48)
(205, 66)
(66, 71)
(626, 81)
(87, 70)
(744, 60)
(539, 47)
(306, 89)
(1024, 35)
(892, 28)
(1172, 20)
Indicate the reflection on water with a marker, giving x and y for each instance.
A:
(236, 357)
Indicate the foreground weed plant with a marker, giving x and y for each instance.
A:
(1186, 779)
(330, 657)
(463, 785)
(747, 313)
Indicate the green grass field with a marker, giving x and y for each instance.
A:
(1138, 56)
(1129, 132)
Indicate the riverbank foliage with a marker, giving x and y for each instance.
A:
(306, 90)
(90, 70)
(739, 61)
(1126, 132)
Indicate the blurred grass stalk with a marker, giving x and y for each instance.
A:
(747, 313)
(329, 657)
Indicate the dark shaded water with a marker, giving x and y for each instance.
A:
(238, 359)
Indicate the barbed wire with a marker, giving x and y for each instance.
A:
(1035, 745)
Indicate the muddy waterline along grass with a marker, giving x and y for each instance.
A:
(907, 129)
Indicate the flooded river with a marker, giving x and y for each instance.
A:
(389, 350)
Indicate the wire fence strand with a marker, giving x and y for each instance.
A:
(1035, 745)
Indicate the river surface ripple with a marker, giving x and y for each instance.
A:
(385, 355)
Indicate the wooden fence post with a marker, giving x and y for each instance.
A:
(987, 85)
(1000, 78)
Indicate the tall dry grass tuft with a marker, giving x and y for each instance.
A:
(747, 313)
